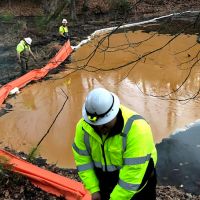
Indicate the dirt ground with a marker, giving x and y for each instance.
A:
(15, 186)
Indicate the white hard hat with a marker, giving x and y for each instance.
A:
(28, 40)
(64, 21)
(100, 107)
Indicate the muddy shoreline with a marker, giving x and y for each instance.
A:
(15, 186)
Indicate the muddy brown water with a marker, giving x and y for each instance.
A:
(159, 73)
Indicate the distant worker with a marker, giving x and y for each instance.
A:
(114, 150)
(63, 31)
(23, 53)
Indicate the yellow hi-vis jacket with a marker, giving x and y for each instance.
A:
(128, 152)
(22, 46)
(63, 30)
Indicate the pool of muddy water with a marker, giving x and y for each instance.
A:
(153, 73)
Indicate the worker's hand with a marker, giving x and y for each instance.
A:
(96, 196)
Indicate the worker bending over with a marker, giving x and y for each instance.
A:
(114, 150)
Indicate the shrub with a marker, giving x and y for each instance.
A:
(121, 6)
(6, 16)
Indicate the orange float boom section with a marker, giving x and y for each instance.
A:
(46, 180)
(36, 74)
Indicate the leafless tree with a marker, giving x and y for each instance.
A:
(73, 10)
(101, 47)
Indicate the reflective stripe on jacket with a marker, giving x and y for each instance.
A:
(22, 46)
(128, 152)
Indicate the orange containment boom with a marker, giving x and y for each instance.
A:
(36, 74)
(46, 180)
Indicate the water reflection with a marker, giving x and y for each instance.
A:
(157, 74)
(29, 100)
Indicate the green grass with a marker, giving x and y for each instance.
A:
(6, 16)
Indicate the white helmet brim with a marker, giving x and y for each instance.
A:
(28, 40)
(64, 21)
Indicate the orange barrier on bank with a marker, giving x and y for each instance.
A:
(36, 74)
(46, 180)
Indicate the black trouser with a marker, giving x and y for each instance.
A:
(63, 39)
(108, 180)
(24, 65)
(149, 191)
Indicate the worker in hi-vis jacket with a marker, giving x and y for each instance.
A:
(63, 31)
(114, 150)
(23, 53)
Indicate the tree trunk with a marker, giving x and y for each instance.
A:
(9, 4)
(53, 8)
(50, 6)
(73, 10)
